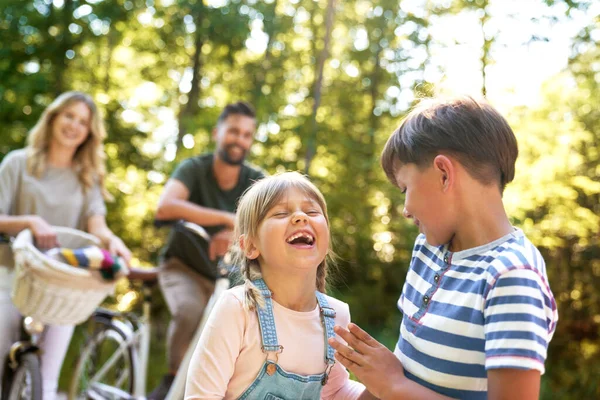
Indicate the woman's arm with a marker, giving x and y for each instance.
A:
(45, 237)
(97, 227)
(11, 170)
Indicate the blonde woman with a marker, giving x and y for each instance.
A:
(58, 179)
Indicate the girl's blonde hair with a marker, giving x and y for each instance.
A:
(89, 157)
(252, 210)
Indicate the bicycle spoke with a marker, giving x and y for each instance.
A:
(105, 368)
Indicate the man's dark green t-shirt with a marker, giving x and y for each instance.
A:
(196, 173)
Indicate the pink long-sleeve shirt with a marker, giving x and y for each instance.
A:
(228, 356)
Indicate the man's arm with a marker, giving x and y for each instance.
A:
(174, 204)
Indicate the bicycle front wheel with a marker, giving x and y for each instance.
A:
(26, 380)
(105, 368)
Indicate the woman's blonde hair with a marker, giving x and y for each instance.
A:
(252, 210)
(89, 157)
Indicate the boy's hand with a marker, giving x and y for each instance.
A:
(372, 363)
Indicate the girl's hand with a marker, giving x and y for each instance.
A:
(45, 237)
(117, 247)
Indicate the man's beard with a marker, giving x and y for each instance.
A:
(228, 159)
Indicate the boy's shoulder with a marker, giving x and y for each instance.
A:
(517, 252)
(512, 251)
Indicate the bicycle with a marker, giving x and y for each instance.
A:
(40, 289)
(22, 377)
(113, 363)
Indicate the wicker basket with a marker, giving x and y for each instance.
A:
(53, 292)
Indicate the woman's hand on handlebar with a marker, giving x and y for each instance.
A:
(45, 237)
(116, 246)
(219, 244)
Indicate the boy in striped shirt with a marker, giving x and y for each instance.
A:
(478, 313)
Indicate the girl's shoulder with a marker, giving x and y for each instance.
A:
(236, 293)
(342, 310)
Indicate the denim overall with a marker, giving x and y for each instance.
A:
(273, 382)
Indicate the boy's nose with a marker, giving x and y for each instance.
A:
(406, 213)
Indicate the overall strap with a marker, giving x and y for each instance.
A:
(328, 319)
(266, 320)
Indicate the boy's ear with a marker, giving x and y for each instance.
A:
(248, 247)
(446, 170)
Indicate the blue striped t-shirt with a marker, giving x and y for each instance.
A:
(478, 309)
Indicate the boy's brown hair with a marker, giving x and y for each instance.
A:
(471, 130)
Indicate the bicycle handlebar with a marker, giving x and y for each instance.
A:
(160, 223)
(193, 227)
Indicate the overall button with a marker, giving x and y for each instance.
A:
(446, 258)
(436, 278)
(426, 299)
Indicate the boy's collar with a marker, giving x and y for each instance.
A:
(515, 234)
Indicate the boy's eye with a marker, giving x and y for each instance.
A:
(313, 212)
(280, 214)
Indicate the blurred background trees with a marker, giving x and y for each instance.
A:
(330, 81)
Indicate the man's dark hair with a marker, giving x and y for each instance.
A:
(239, 108)
(471, 130)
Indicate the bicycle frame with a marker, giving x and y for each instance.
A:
(137, 341)
(178, 388)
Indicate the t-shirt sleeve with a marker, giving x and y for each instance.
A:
(213, 361)
(186, 173)
(94, 202)
(10, 170)
(339, 385)
(520, 318)
(260, 174)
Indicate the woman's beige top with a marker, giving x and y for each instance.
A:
(58, 197)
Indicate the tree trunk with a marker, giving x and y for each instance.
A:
(65, 44)
(109, 53)
(260, 77)
(487, 46)
(191, 107)
(312, 142)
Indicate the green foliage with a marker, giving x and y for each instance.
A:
(162, 67)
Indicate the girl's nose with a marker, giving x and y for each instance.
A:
(406, 213)
(299, 217)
